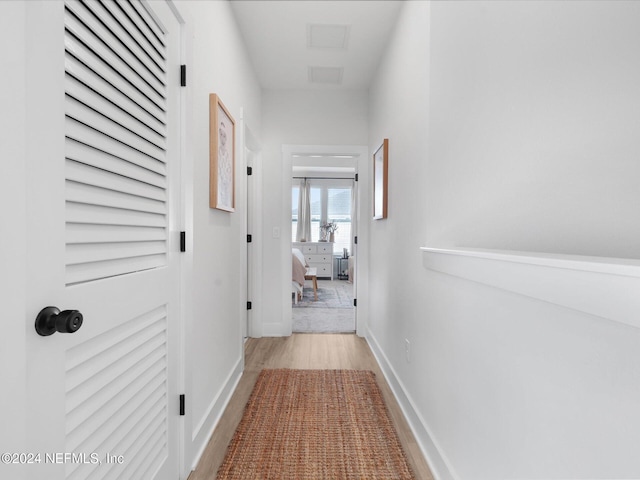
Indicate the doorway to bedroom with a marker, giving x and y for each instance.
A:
(323, 236)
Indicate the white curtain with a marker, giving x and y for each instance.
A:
(304, 212)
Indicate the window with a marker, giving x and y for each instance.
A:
(339, 212)
(316, 213)
(330, 203)
(295, 195)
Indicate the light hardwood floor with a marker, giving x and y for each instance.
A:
(304, 351)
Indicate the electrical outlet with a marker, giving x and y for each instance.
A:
(276, 232)
(407, 349)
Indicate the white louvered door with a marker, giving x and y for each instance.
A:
(104, 222)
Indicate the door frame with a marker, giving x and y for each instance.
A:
(251, 284)
(187, 141)
(361, 153)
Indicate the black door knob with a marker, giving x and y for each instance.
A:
(51, 320)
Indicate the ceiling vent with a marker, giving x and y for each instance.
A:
(326, 75)
(328, 36)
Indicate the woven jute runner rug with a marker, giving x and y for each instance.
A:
(312, 425)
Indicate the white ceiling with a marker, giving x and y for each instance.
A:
(347, 40)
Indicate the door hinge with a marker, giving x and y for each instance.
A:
(249, 170)
(249, 306)
(183, 75)
(355, 302)
(356, 177)
(355, 240)
(182, 405)
(183, 241)
(249, 239)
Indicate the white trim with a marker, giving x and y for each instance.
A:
(202, 434)
(438, 463)
(186, 258)
(242, 185)
(363, 220)
(275, 329)
(256, 317)
(613, 266)
(253, 225)
(604, 287)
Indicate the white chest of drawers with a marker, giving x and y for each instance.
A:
(318, 255)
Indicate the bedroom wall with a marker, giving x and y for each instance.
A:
(217, 62)
(313, 117)
(514, 131)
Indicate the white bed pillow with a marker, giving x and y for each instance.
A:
(300, 256)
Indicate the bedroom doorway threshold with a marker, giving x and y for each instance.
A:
(333, 312)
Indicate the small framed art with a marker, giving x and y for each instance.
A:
(222, 141)
(380, 173)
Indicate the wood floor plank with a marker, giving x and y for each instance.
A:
(304, 351)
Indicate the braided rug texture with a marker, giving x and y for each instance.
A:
(313, 425)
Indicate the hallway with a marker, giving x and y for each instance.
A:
(303, 351)
(499, 295)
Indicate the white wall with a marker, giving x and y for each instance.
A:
(534, 125)
(217, 63)
(317, 117)
(515, 130)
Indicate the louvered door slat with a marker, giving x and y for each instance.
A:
(116, 389)
(83, 233)
(80, 112)
(102, 142)
(147, 24)
(99, 406)
(90, 376)
(88, 272)
(100, 252)
(107, 404)
(98, 85)
(106, 55)
(91, 195)
(109, 189)
(92, 214)
(106, 72)
(126, 41)
(107, 110)
(123, 15)
(132, 65)
(126, 438)
(93, 157)
(87, 175)
(87, 352)
(131, 400)
(153, 448)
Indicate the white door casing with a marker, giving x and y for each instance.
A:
(102, 237)
(251, 151)
(360, 155)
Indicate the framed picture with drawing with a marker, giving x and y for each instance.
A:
(222, 165)
(380, 181)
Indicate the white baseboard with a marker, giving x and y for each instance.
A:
(439, 465)
(276, 330)
(202, 433)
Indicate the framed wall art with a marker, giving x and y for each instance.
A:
(222, 141)
(380, 173)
